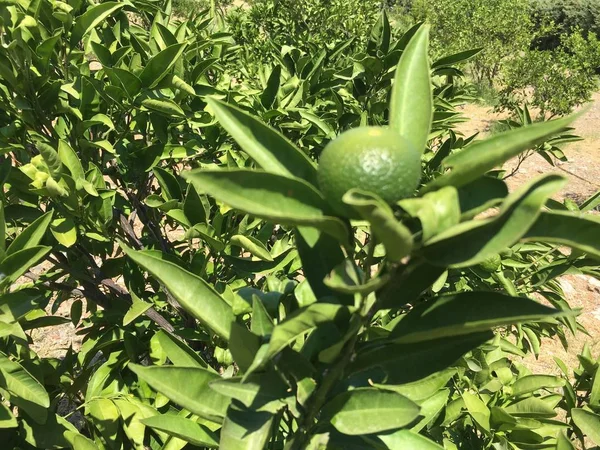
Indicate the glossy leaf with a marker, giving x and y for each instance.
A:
(437, 211)
(269, 95)
(368, 410)
(272, 197)
(563, 442)
(21, 385)
(320, 254)
(191, 291)
(475, 160)
(408, 283)
(160, 64)
(411, 104)
(588, 423)
(178, 352)
(64, 231)
(296, 325)
(396, 238)
(532, 383)
(261, 392)
(472, 242)
(405, 439)
(253, 245)
(468, 312)
(182, 428)
(32, 235)
(579, 232)
(245, 429)
(405, 363)
(92, 18)
(186, 386)
(15, 265)
(421, 389)
(270, 149)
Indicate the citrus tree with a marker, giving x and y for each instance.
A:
(289, 260)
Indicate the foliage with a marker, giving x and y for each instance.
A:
(220, 301)
(566, 16)
(502, 28)
(554, 81)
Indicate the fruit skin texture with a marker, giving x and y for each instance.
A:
(374, 159)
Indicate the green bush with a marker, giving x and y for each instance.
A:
(502, 28)
(566, 16)
(554, 81)
(220, 301)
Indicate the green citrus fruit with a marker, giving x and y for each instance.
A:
(374, 159)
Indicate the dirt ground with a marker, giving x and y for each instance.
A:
(583, 172)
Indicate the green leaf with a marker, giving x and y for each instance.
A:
(158, 66)
(396, 238)
(532, 383)
(15, 265)
(421, 389)
(343, 278)
(588, 423)
(563, 442)
(79, 441)
(468, 312)
(472, 242)
(595, 391)
(186, 386)
(437, 211)
(263, 392)
(408, 284)
(262, 323)
(243, 345)
(7, 419)
(178, 352)
(456, 58)
(253, 245)
(479, 195)
(51, 158)
(91, 18)
(411, 104)
(475, 160)
(166, 107)
(431, 408)
(32, 235)
(2, 232)
(297, 324)
(64, 231)
(50, 434)
(405, 363)
(138, 307)
(182, 428)
(272, 197)
(170, 188)
(477, 409)
(191, 291)
(69, 158)
(245, 429)
(270, 149)
(320, 254)
(531, 407)
(567, 228)
(269, 95)
(24, 389)
(106, 418)
(408, 439)
(368, 410)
